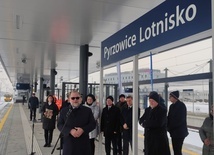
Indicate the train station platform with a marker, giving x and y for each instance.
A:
(16, 135)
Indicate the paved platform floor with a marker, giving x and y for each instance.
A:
(16, 135)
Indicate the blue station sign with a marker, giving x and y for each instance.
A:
(169, 22)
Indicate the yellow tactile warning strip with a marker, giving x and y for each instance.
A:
(3, 120)
(183, 150)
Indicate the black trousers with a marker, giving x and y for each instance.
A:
(108, 140)
(61, 142)
(32, 113)
(119, 143)
(92, 144)
(177, 144)
(48, 136)
(126, 146)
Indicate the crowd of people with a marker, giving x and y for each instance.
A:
(79, 124)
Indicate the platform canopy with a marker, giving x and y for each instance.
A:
(37, 35)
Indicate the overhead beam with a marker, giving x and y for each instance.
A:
(201, 76)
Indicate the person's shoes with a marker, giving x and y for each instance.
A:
(59, 148)
(46, 145)
(49, 145)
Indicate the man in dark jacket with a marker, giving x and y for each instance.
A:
(154, 121)
(110, 125)
(75, 122)
(34, 104)
(127, 124)
(177, 124)
(121, 105)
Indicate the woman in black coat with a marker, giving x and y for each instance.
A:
(154, 121)
(49, 110)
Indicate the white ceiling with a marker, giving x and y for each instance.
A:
(42, 30)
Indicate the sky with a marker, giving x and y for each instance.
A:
(5, 84)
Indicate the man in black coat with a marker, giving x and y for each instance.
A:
(110, 125)
(127, 124)
(34, 104)
(121, 104)
(75, 122)
(154, 120)
(177, 124)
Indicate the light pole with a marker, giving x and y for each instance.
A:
(202, 67)
(0, 88)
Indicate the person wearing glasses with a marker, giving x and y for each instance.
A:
(75, 122)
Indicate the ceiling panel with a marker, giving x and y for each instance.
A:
(48, 33)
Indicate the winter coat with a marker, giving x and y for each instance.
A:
(121, 106)
(127, 118)
(96, 111)
(177, 121)
(156, 140)
(206, 131)
(49, 120)
(110, 121)
(33, 102)
(79, 117)
(162, 102)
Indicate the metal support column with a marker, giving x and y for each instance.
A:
(135, 106)
(210, 88)
(52, 85)
(83, 74)
(212, 2)
(63, 91)
(35, 86)
(166, 88)
(31, 88)
(41, 93)
(115, 92)
(107, 91)
(90, 86)
(101, 109)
